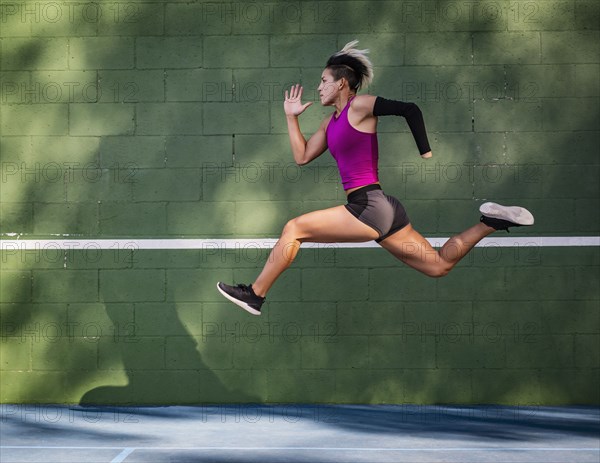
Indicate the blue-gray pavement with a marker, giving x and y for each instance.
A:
(299, 433)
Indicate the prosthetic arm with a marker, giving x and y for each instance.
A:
(411, 113)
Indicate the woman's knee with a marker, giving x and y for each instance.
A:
(291, 229)
(441, 269)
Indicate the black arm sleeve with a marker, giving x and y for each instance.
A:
(411, 113)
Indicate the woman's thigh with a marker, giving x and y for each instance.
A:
(414, 250)
(331, 225)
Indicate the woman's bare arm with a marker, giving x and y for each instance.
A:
(304, 151)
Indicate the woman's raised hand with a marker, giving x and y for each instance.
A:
(292, 105)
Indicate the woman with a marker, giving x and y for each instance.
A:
(350, 134)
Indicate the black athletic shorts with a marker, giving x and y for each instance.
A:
(379, 211)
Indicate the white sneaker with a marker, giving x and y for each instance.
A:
(501, 217)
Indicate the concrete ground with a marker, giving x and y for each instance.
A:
(299, 433)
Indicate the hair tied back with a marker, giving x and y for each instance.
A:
(355, 59)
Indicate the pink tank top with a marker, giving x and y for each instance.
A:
(355, 152)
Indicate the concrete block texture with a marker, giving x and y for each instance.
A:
(164, 121)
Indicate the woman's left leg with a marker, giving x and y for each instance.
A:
(413, 249)
(331, 225)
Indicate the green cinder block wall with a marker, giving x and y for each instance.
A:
(163, 120)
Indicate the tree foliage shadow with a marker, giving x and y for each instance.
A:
(20, 316)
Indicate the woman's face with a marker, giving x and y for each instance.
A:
(328, 88)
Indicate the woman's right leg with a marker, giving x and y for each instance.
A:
(331, 225)
(414, 250)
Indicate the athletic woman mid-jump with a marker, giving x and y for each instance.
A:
(350, 133)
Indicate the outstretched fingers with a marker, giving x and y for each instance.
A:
(292, 104)
(295, 93)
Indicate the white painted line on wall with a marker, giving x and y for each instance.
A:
(208, 244)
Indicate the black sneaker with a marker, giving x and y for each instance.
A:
(501, 217)
(242, 295)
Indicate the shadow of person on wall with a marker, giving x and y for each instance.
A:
(162, 360)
